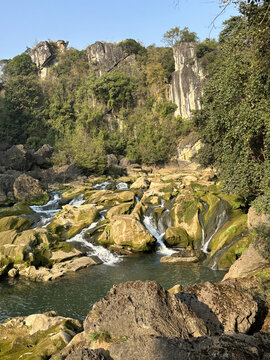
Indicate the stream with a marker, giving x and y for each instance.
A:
(75, 294)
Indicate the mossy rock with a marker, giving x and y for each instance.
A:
(19, 340)
(127, 231)
(71, 220)
(212, 201)
(233, 253)
(109, 198)
(139, 210)
(229, 231)
(235, 201)
(176, 237)
(17, 209)
(39, 200)
(119, 210)
(14, 223)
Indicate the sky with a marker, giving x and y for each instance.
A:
(82, 22)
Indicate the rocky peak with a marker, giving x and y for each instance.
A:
(106, 56)
(186, 85)
(44, 56)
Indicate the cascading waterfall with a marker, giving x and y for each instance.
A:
(220, 221)
(102, 253)
(122, 185)
(77, 200)
(102, 186)
(46, 212)
(150, 224)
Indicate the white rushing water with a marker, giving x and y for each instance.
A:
(150, 225)
(102, 186)
(122, 186)
(77, 201)
(106, 256)
(220, 221)
(46, 212)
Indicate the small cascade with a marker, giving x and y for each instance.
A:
(122, 185)
(151, 226)
(102, 186)
(221, 218)
(107, 257)
(77, 200)
(44, 213)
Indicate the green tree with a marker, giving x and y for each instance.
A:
(176, 35)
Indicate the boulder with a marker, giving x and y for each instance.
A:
(6, 188)
(119, 210)
(225, 347)
(86, 354)
(186, 256)
(124, 162)
(255, 219)
(142, 308)
(112, 160)
(110, 198)
(140, 183)
(72, 219)
(64, 173)
(27, 188)
(176, 237)
(248, 263)
(127, 231)
(43, 155)
(19, 158)
(224, 307)
(14, 223)
(37, 336)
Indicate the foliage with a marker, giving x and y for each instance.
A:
(262, 204)
(234, 123)
(131, 46)
(207, 53)
(20, 65)
(114, 89)
(176, 35)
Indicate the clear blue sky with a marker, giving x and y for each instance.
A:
(82, 22)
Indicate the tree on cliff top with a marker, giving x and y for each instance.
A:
(176, 36)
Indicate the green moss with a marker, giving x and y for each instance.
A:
(17, 209)
(188, 210)
(233, 253)
(212, 201)
(64, 246)
(14, 223)
(235, 201)
(231, 229)
(39, 200)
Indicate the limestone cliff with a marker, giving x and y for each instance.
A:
(106, 56)
(44, 55)
(186, 84)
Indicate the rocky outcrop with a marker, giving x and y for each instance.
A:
(37, 336)
(107, 56)
(248, 263)
(186, 84)
(6, 188)
(143, 308)
(71, 220)
(125, 231)
(27, 188)
(255, 219)
(44, 55)
(224, 307)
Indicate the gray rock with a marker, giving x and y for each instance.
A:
(27, 188)
(18, 158)
(6, 187)
(41, 54)
(112, 160)
(86, 354)
(143, 308)
(223, 306)
(124, 162)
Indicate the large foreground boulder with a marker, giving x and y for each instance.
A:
(143, 308)
(224, 307)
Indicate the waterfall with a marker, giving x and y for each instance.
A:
(122, 185)
(102, 186)
(106, 256)
(150, 225)
(45, 213)
(77, 200)
(221, 218)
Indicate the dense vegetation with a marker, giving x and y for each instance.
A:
(235, 121)
(125, 110)
(86, 116)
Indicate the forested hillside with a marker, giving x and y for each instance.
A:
(86, 111)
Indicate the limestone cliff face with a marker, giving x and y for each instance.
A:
(44, 56)
(106, 56)
(186, 84)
